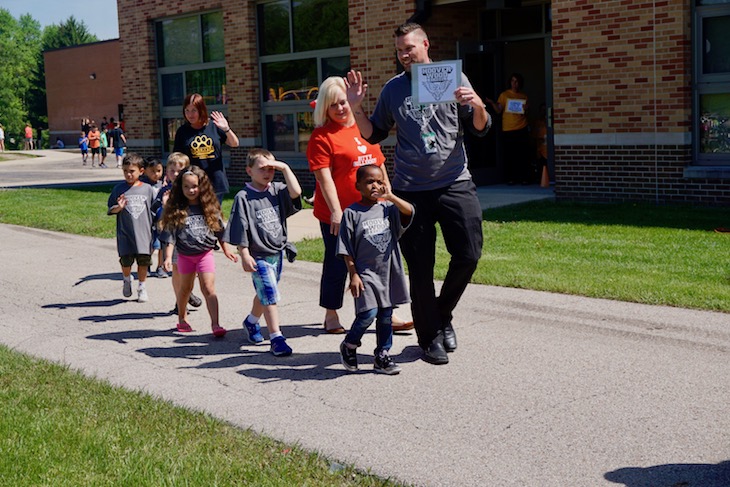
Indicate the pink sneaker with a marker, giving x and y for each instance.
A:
(184, 328)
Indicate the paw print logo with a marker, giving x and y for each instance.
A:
(202, 147)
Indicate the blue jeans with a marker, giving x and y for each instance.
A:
(383, 328)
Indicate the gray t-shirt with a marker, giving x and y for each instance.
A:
(134, 222)
(258, 219)
(429, 151)
(195, 237)
(369, 234)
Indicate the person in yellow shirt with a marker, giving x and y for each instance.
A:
(512, 104)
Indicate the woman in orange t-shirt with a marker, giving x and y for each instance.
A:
(335, 151)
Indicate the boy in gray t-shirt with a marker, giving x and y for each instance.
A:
(131, 202)
(368, 241)
(258, 228)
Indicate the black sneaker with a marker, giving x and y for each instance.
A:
(385, 365)
(348, 357)
(194, 301)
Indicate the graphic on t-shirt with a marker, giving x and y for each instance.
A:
(377, 232)
(268, 220)
(364, 159)
(360, 146)
(421, 114)
(196, 225)
(136, 204)
(202, 147)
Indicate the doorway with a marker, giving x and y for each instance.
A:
(508, 47)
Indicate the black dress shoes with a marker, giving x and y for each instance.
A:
(435, 353)
(449, 338)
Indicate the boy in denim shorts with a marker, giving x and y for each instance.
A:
(131, 202)
(258, 228)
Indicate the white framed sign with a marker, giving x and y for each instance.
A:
(515, 105)
(435, 82)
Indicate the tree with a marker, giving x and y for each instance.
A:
(19, 43)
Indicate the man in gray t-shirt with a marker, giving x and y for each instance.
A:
(431, 173)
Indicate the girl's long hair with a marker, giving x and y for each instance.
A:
(176, 208)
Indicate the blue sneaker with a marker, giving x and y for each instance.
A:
(279, 347)
(253, 332)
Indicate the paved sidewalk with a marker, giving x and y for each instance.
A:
(545, 389)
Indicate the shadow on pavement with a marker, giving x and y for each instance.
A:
(111, 276)
(124, 316)
(124, 336)
(674, 475)
(85, 304)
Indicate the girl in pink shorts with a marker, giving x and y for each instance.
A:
(192, 222)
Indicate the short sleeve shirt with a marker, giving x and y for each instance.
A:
(204, 148)
(343, 150)
(134, 223)
(258, 219)
(369, 234)
(511, 103)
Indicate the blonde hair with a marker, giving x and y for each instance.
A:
(326, 97)
(178, 158)
(255, 154)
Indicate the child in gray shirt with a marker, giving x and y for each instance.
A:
(258, 227)
(368, 241)
(131, 202)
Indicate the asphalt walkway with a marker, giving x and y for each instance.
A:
(544, 390)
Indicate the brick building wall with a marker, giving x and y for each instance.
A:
(623, 103)
(71, 92)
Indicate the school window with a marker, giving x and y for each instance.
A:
(712, 82)
(190, 59)
(300, 43)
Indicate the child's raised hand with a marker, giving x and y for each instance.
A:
(165, 197)
(122, 201)
(277, 165)
(356, 285)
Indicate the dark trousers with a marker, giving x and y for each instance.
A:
(457, 210)
(334, 272)
(517, 155)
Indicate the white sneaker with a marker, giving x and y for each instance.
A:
(127, 288)
(142, 296)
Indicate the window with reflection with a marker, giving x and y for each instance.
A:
(712, 87)
(190, 59)
(300, 44)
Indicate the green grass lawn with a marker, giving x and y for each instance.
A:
(642, 253)
(60, 428)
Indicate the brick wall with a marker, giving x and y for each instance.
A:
(605, 55)
(633, 173)
(73, 95)
(622, 80)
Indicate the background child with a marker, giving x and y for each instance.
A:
(191, 220)
(104, 143)
(258, 227)
(131, 201)
(368, 241)
(84, 147)
(176, 162)
(153, 175)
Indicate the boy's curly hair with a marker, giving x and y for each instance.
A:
(176, 208)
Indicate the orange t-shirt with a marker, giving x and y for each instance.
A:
(28, 133)
(94, 139)
(343, 150)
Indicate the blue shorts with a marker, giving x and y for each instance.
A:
(119, 151)
(266, 279)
